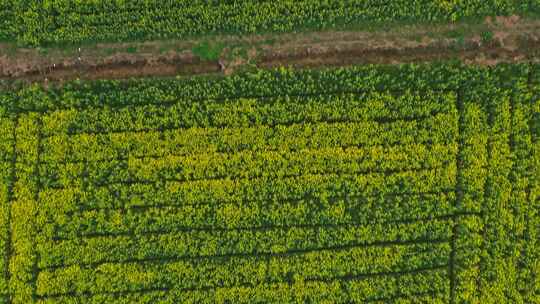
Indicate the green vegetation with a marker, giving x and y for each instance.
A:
(367, 184)
(131, 49)
(69, 21)
(207, 51)
(487, 37)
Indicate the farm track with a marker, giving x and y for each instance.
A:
(340, 55)
(512, 40)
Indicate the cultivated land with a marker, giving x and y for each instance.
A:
(409, 181)
(368, 184)
(41, 23)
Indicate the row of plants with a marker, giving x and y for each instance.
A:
(301, 198)
(369, 176)
(379, 289)
(472, 162)
(24, 209)
(69, 21)
(260, 189)
(399, 80)
(525, 180)
(155, 144)
(412, 288)
(270, 234)
(313, 211)
(250, 164)
(241, 112)
(6, 193)
(501, 183)
(511, 199)
(208, 273)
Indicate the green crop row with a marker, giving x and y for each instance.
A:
(154, 144)
(251, 112)
(249, 164)
(70, 21)
(225, 194)
(368, 184)
(185, 244)
(375, 289)
(243, 270)
(6, 193)
(312, 211)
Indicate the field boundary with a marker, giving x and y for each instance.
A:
(482, 42)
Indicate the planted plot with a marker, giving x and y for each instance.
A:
(69, 21)
(350, 185)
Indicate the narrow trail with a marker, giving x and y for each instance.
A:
(499, 39)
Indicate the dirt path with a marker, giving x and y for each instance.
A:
(499, 39)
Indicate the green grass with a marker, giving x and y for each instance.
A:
(131, 49)
(208, 51)
(109, 51)
(487, 37)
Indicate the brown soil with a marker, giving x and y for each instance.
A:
(513, 40)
